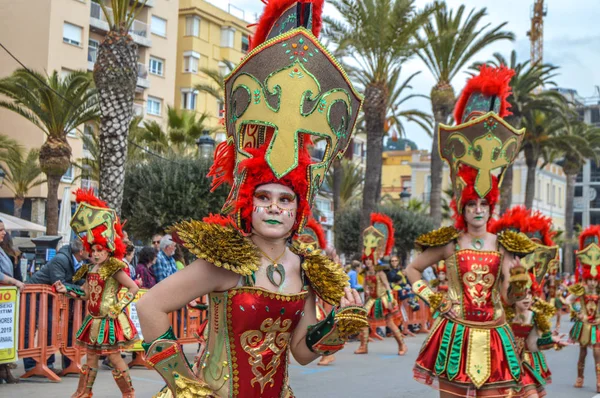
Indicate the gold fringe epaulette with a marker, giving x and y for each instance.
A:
(81, 272)
(577, 290)
(222, 246)
(439, 237)
(187, 388)
(516, 242)
(435, 301)
(327, 278)
(109, 268)
(543, 315)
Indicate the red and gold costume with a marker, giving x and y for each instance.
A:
(106, 328)
(381, 304)
(586, 330)
(474, 350)
(286, 91)
(539, 229)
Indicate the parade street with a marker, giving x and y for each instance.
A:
(380, 374)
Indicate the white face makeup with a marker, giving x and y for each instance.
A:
(99, 255)
(525, 304)
(274, 212)
(477, 212)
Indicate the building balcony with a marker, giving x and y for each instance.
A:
(139, 31)
(142, 73)
(92, 56)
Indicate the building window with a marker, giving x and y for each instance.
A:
(88, 136)
(93, 50)
(227, 36)
(191, 60)
(559, 197)
(153, 106)
(72, 34)
(245, 43)
(223, 69)
(159, 26)
(188, 99)
(192, 26)
(68, 176)
(157, 66)
(548, 199)
(553, 195)
(356, 149)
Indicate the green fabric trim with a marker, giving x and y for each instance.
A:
(317, 331)
(168, 335)
(536, 375)
(440, 363)
(545, 340)
(536, 363)
(87, 320)
(101, 332)
(593, 330)
(542, 359)
(78, 291)
(378, 309)
(513, 363)
(576, 330)
(111, 331)
(456, 352)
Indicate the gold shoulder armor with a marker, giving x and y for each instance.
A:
(543, 315)
(81, 272)
(222, 246)
(577, 290)
(327, 278)
(439, 237)
(509, 312)
(516, 242)
(111, 266)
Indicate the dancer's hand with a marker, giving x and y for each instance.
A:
(351, 297)
(60, 288)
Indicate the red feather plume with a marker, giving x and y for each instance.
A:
(222, 168)
(490, 81)
(274, 9)
(319, 232)
(384, 219)
(592, 230)
(526, 221)
(88, 196)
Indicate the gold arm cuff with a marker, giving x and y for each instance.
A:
(422, 289)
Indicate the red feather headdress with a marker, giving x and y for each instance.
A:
(378, 238)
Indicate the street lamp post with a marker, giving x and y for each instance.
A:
(404, 197)
(206, 145)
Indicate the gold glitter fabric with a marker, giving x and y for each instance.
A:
(110, 267)
(327, 278)
(544, 312)
(439, 237)
(222, 246)
(81, 272)
(435, 301)
(516, 242)
(577, 289)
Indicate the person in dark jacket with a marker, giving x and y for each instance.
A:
(62, 267)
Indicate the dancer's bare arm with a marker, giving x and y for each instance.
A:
(431, 256)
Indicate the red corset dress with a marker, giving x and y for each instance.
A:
(476, 350)
(99, 332)
(535, 368)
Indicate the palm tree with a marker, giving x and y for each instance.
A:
(351, 183)
(379, 35)
(183, 129)
(22, 174)
(56, 106)
(451, 40)
(525, 83)
(8, 147)
(115, 74)
(577, 142)
(216, 77)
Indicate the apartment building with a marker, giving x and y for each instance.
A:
(208, 36)
(64, 35)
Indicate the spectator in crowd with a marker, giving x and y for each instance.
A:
(146, 259)
(62, 267)
(156, 242)
(7, 274)
(129, 254)
(165, 265)
(15, 255)
(179, 258)
(353, 275)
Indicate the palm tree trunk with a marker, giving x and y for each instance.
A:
(569, 221)
(531, 162)
(115, 75)
(374, 109)
(52, 205)
(506, 190)
(338, 175)
(437, 171)
(19, 201)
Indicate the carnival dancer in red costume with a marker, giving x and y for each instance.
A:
(262, 290)
(470, 350)
(440, 284)
(586, 330)
(530, 319)
(107, 328)
(381, 304)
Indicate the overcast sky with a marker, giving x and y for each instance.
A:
(571, 41)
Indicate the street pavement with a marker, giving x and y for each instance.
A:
(380, 374)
